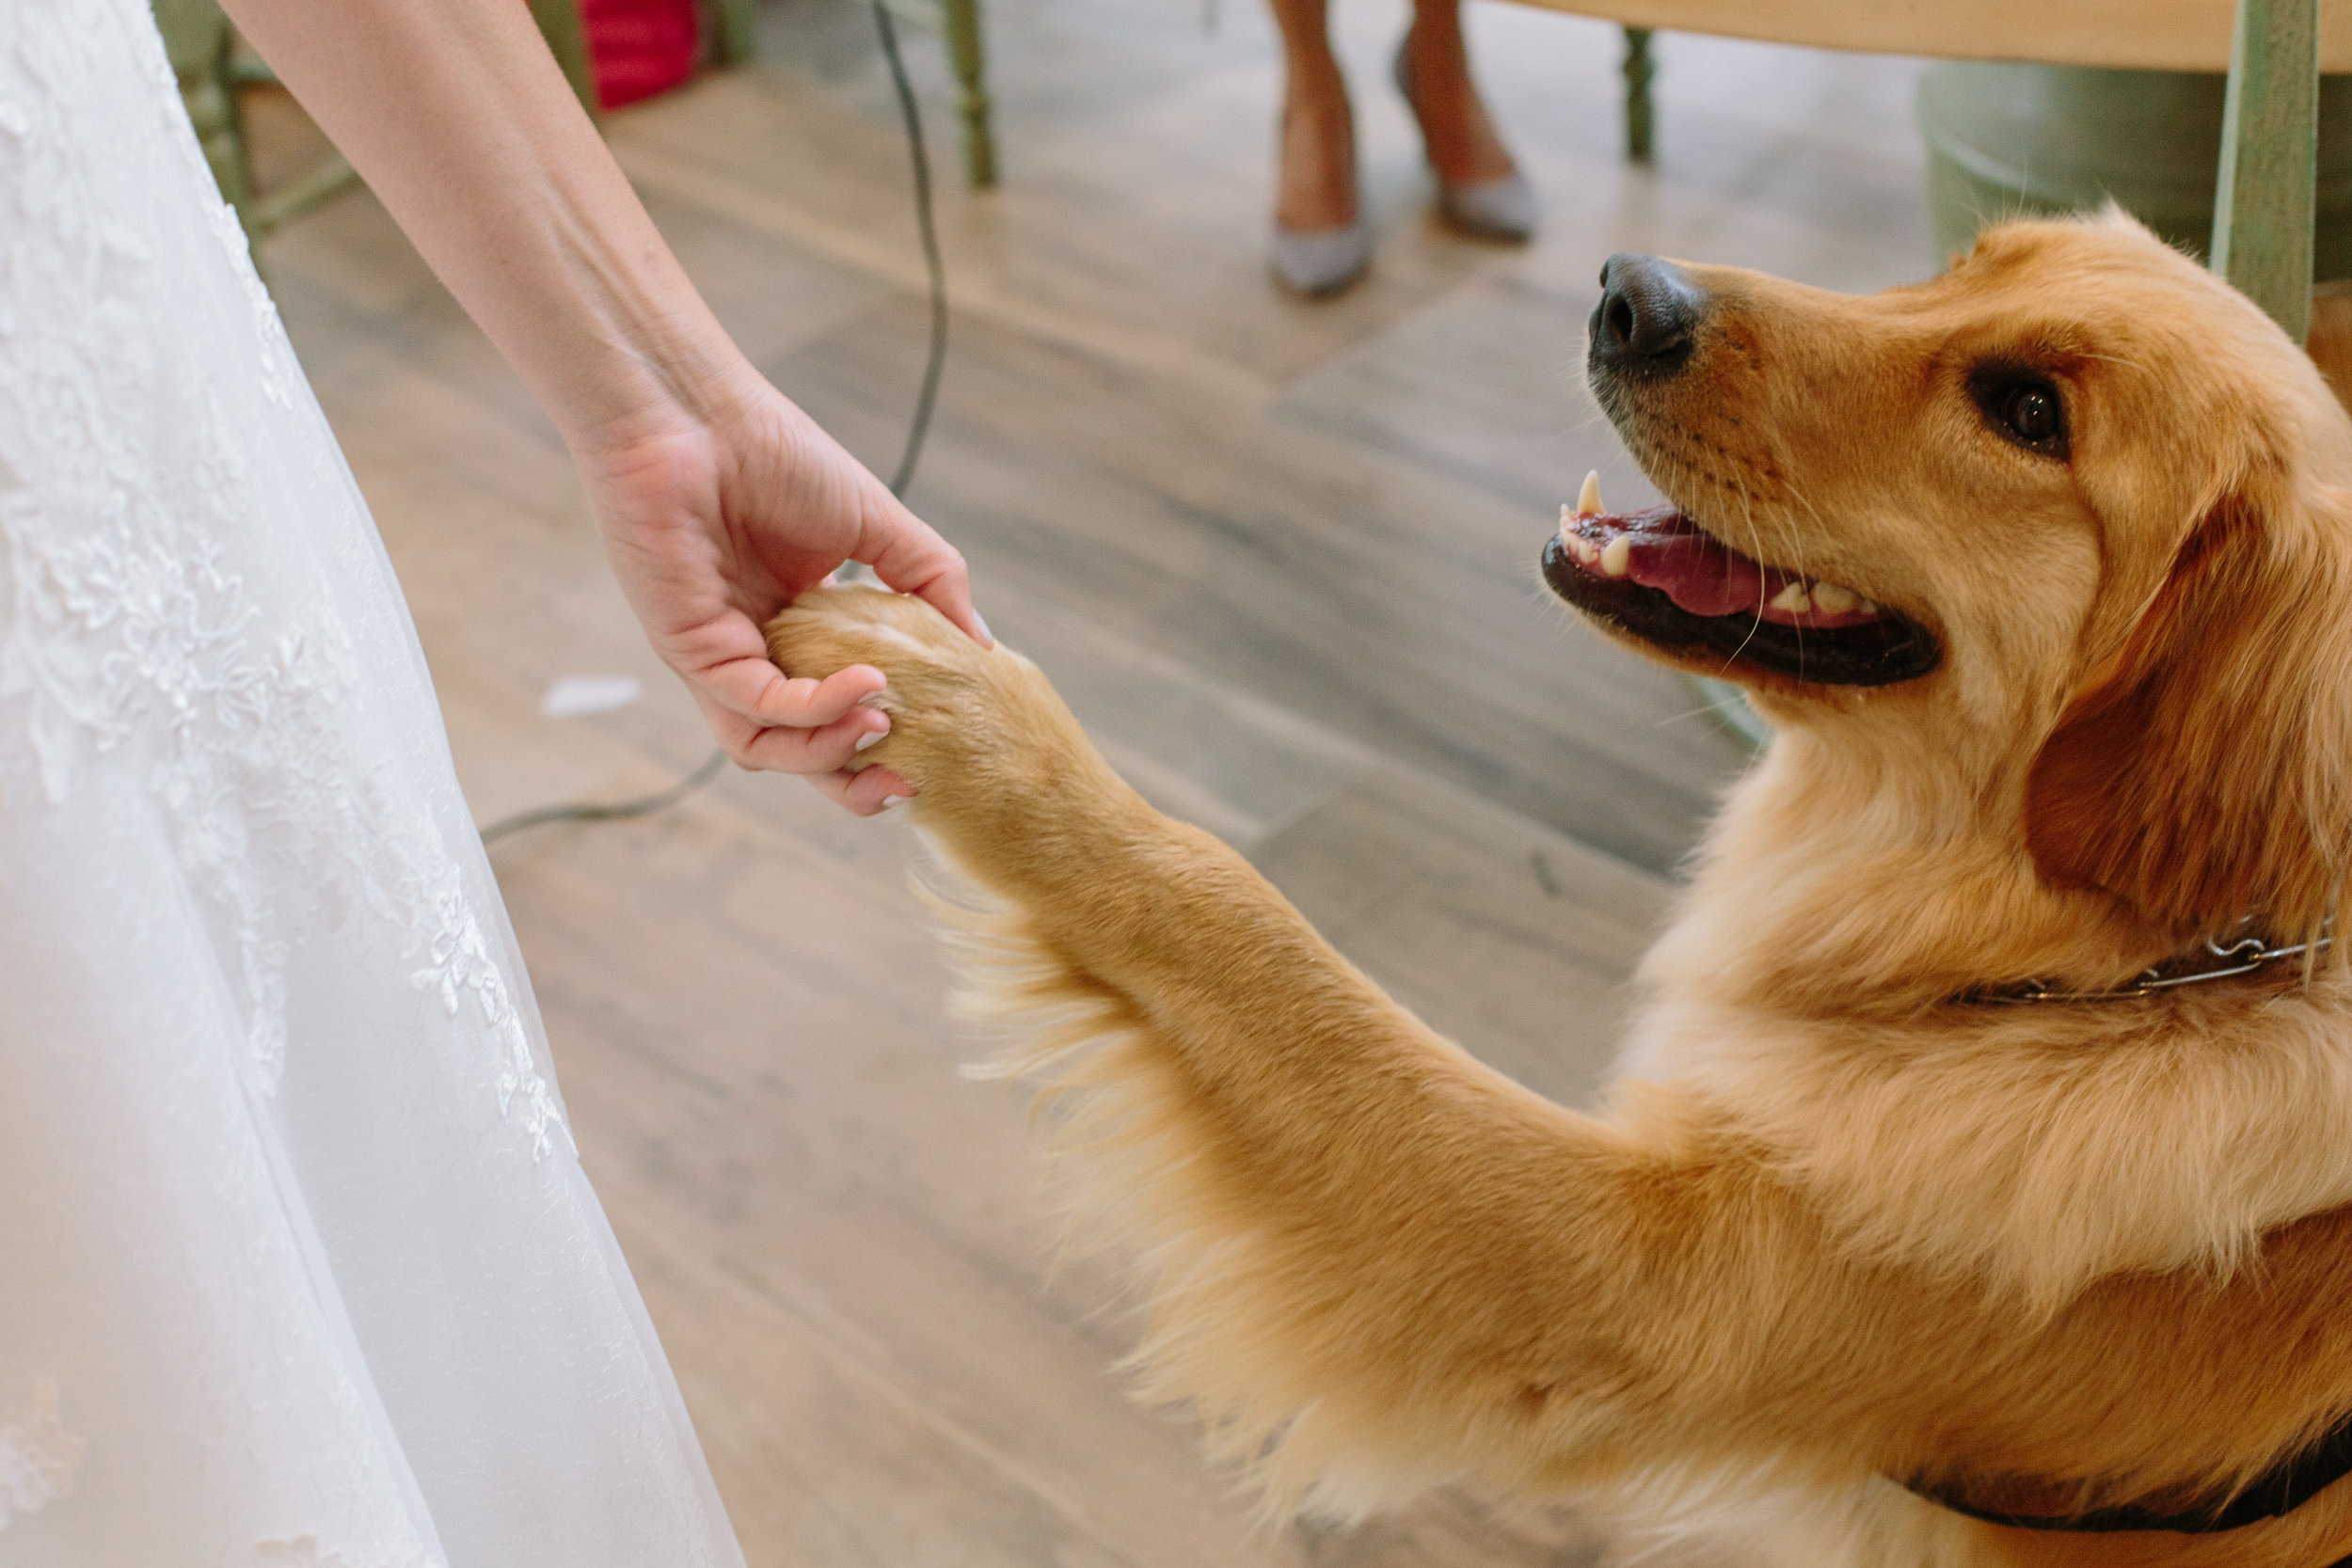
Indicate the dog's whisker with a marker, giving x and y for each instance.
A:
(1747, 514)
(1701, 711)
(1801, 499)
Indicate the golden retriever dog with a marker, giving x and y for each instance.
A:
(1919, 1229)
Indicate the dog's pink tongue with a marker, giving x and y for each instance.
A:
(1671, 554)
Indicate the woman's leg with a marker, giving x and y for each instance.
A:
(1464, 147)
(1316, 186)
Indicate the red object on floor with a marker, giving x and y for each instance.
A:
(638, 47)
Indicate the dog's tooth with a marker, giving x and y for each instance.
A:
(1586, 551)
(1867, 607)
(1792, 599)
(1617, 557)
(1588, 498)
(1836, 600)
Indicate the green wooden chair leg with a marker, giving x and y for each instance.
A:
(203, 52)
(198, 39)
(266, 211)
(1639, 69)
(559, 24)
(2266, 204)
(961, 21)
(734, 39)
(282, 204)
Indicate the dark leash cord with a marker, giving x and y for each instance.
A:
(584, 811)
(927, 225)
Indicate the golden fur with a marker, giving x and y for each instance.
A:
(1834, 1228)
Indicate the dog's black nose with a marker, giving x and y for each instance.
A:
(1648, 314)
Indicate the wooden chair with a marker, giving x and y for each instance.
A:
(214, 73)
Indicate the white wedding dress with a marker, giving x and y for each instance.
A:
(297, 1262)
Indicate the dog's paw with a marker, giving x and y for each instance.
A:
(958, 711)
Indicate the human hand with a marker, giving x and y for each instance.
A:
(715, 523)
(718, 499)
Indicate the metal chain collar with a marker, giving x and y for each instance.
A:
(2223, 957)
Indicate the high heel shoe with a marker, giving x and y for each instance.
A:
(1502, 208)
(1320, 261)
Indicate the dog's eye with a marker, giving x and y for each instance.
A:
(2023, 407)
(2032, 414)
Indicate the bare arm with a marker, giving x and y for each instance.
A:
(719, 500)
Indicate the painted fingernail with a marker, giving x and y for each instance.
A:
(981, 621)
(892, 802)
(870, 738)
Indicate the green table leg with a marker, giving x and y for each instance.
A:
(2265, 206)
(1639, 69)
(961, 21)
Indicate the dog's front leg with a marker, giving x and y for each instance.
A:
(1378, 1263)
(1367, 1245)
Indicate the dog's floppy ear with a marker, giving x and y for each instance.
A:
(2200, 775)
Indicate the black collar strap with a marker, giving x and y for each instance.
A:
(2282, 1489)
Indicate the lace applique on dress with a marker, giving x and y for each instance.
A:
(144, 619)
(462, 967)
(37, 1458)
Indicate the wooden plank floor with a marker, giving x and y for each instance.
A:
(1278, 556)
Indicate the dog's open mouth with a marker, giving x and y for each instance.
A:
(1663, 579)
